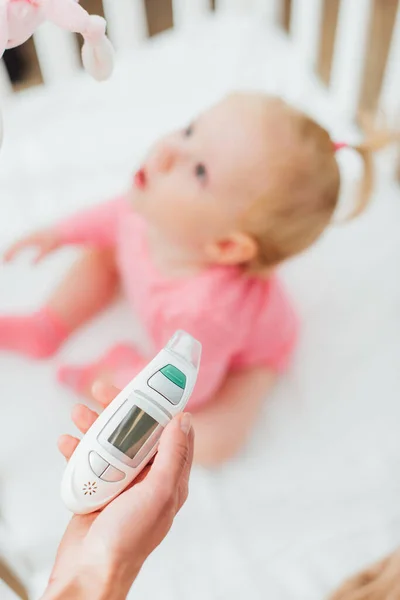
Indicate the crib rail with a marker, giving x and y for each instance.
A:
(390, 94)
(126, 21)
(58, 52)
(306, 29)
(187, 13)
(350, 49)
(5, 83)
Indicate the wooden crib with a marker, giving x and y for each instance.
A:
(354, 45)
(345, 32)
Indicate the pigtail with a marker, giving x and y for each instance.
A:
(374, 141)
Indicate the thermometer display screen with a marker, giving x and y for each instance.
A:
(133, 431)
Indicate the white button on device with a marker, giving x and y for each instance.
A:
(111, 474)
(97, 463)
(166, 388)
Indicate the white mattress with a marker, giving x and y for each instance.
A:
(315, 494)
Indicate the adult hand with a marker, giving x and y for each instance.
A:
(101, 554)
(44, 242)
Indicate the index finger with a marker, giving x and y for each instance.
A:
(104, 393)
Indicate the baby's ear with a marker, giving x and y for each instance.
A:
(236, 249)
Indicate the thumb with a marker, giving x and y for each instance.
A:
(174, 460)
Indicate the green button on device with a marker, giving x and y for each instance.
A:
(174, 375)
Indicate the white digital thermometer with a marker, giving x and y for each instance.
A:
(125, 436)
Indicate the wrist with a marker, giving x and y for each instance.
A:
(111, 584)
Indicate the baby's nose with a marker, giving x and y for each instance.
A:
(166, 157)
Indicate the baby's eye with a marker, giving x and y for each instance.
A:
(188, 131)
(200, 171)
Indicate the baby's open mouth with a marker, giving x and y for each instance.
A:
(140, 179)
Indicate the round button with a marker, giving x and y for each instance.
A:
(97, 463)
(167, 388)
(111, 474)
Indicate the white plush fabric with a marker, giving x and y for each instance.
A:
(315, 494)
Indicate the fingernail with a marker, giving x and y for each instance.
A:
(186, 423)
(95, 385)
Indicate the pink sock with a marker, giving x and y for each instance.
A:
(38, 335)
(118, 366)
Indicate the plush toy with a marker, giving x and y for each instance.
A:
(20, 18)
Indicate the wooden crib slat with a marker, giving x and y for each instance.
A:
(126, 22)
(349, 53)
(272, 10)
(5, 82)
(306, 23)
(186, 13)
(57, 52)
(13, 571)
(232, 6)
(390, 94)
(12, 581)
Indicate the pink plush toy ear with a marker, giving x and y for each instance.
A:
(97, 51)
(3, 44)
(3, 27)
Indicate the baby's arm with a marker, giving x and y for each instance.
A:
(223, 425)
(224, 422)
(226, 401)
(95, 227)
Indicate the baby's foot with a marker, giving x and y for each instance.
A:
(119, 359)
(38, 335)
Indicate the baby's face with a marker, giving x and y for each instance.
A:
(197, 182)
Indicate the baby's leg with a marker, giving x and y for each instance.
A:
(118, 366)
(223, 426)
(88, 287)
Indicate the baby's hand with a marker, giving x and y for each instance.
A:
(44, 242)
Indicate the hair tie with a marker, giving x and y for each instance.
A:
(339, 145)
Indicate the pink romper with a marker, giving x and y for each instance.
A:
(241, 321)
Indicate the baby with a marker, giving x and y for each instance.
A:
(195, 242)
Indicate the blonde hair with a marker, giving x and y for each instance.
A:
(374, 141)
(304, 186)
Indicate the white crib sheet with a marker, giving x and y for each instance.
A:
(315, 494)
